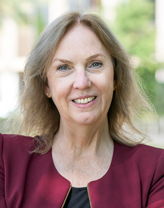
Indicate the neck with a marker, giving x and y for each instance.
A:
(79, 139)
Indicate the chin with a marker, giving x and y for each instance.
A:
(86, 120)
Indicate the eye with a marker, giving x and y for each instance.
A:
(95, 64)
(63, 68)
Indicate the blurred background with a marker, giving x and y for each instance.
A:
(138, 24)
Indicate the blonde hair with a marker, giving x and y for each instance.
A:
(40, 115)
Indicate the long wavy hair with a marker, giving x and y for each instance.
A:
(40, 115)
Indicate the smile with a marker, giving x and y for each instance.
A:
(85, 100)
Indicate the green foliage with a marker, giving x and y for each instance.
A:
(24, 12)
(41, 18)
(41, 23)
(13, 8)
(135, 28)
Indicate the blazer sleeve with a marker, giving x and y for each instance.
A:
(156, 194)
(2, 191)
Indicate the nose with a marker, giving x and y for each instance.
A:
(82, 80)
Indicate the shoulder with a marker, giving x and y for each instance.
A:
(140, 152)
(147, 164)
(15, 144)
(15, 154)
(14, 138)
(146, 160)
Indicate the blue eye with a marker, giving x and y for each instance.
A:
(63, 68)
(95, 65)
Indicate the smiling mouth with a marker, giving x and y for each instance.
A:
(85, 100)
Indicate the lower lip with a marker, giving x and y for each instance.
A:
(87, 105)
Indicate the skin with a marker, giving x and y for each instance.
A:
(81, 68)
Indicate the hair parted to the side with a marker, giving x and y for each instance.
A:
(40, 115)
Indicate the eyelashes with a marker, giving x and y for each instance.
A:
(63, 67)
(93, 65)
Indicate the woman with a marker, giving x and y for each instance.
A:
(79, 97)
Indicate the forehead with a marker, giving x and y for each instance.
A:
(80, 38)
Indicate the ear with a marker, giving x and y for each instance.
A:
(47, 91)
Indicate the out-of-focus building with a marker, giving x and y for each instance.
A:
(15, 44)
(56, 8)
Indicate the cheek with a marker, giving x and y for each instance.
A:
(59, 93)
(107, 89)
(106, 84)
(54, 86)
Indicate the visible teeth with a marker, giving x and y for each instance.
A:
(89, 99)
(84, 101)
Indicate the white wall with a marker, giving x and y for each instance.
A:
(56, 8)
(9, 88)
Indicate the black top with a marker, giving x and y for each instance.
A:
(77, 198)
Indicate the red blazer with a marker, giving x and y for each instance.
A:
(135, 178)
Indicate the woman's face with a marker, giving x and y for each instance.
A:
(81, 78)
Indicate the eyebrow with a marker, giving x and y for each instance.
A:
(95, 56)
(89, 58)
(62, 60)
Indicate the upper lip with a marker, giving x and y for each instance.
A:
(83, 97)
